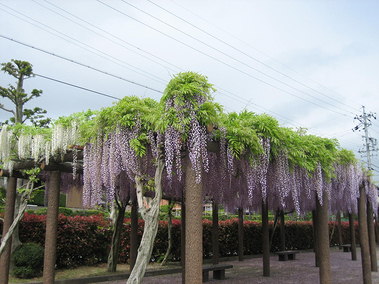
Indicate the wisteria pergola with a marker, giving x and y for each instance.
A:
(185, 147)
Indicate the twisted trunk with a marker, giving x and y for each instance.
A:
(169, 229)
(116, 238)
(150, 215)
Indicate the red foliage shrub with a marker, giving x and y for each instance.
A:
(86, 240)
(81, 240)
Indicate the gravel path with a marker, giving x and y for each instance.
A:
(301, 270)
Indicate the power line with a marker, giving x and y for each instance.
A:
(78, 87)
(231, 57)
(81, 64)
(220, 61)
(112, 35)
(265, 54)
(84, 44)
(244, 53)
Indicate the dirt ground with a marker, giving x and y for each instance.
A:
(300, 270)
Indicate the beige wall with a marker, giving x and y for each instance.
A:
(74, 199)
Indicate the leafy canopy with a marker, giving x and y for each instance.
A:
(187, 96)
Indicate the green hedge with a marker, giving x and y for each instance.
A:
(38, 198)
(84, 240)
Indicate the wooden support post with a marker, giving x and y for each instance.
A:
(194, 226)
(371, 237)
(282, 231)
(8, 219)
(51, 228)
(215, 243)
(339, 230)
(133, 233)
(352, 237)
(322, 232)
(266, 239)
(240, 234)
(363, 236)
(315, 241)
(183, 240)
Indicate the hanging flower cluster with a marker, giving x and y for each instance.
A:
(187, 110)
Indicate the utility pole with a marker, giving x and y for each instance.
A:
(370, 142)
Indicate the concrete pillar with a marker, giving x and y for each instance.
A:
(215, 243)
(240, 234)
(315, 241)
(51, 228)
(194, 227)
(8, 219)
(183, 240)
(371, 237)
(339, 230)
(266, 239)
(133, 233)
(352, 237)
(363, 236)
(282, 231)
(322, 232)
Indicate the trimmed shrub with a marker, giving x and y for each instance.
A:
(38, 198)
(62, 200)
(28, 260)
(81, 240)
(86, 240)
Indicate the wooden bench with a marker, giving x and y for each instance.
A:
(218, 271)
(287, 255)
(346, 248)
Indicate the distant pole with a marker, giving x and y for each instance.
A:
(315, 243)
(352, 237)
(339, 230)
(240, 233)
(266, 239)
(282, 231)
(215, 243)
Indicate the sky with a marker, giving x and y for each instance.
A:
(310, 64)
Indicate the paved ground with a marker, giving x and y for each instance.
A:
(302, 270)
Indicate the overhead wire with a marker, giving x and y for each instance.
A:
(265, 54)
(220, 61)
(81, 64)
(86, 45)
(114, 36)
(229, 56)
(248, 55)
(78, 87)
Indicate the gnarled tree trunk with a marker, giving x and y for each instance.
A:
(150, 215)
(116, 237)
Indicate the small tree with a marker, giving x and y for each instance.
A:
(22, 70)
(25, 196)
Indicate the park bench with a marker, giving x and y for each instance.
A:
(287, 255)
(346, 248)
(218, 271)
